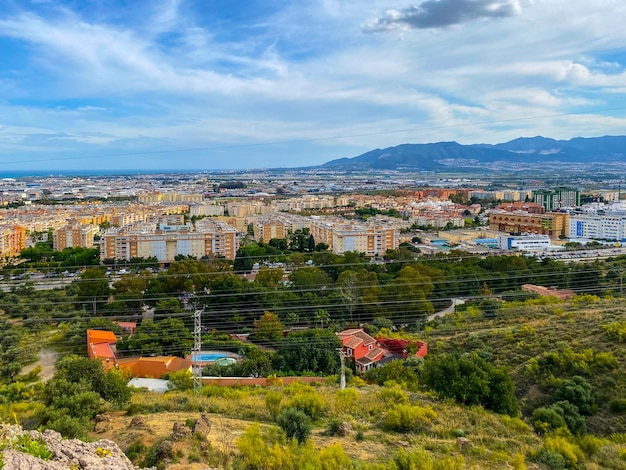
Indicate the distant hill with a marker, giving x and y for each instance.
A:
(452, 155)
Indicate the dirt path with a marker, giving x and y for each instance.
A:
(47, 358)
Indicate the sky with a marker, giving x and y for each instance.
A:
(220, 84)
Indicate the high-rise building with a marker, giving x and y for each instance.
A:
(557, 198)
(553, 224)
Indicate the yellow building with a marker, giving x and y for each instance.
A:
(553, 224)
(72, 236)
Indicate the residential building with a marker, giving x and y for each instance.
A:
(360, 347)
(267, 228)
(210, 237)
(557, 198)
(553, 224)
(12, 240)
(73, 236)
(598, 227)
(368, 352)
(169, 197)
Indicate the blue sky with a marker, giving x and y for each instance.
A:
(217, 84)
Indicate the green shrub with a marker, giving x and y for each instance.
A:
(35, 447)
(295, 423)
(545, 420)
(618, 405)
(310, 402)
(273, 402)
(552, 460)
(408, 418)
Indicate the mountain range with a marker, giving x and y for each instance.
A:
(446, 156)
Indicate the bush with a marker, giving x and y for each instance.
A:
(408, 418)
(310, 402)
(273, 403)
(579, 393)
(295, 423)
(618, 405)
(545, 420)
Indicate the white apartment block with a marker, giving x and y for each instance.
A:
(598, 227)
(209, 238)
(343, 235)
(205, 209)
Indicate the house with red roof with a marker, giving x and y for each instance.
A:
(101, 345)
(367, 351)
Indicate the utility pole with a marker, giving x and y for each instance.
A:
(342, 377)
(196, 367)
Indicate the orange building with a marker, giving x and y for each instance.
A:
(553, 224)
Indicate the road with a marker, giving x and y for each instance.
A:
(447, 310)
(38, 284)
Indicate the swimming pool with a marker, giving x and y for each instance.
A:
(207, 357)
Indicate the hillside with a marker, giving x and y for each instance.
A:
(452, 155)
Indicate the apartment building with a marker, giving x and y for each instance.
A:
(12, 240)
(598, 227)
(205, 209)
(557, 198)
(267, 228)
(209, 238)
(169, 197)
(553, 224)
(73, 236)
(343, 235)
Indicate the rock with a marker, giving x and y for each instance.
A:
(202, 425)
(344, 429)
(165, 451)
(403, 444)
(102, 418)
(180, 431)
(66, 453)
(463, 444)
(138, 423)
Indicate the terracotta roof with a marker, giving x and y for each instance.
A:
(367, 339)
(154, 367)
(353, 342)
(100, 336)
(375, 353)
(348, 332)
(101, 351)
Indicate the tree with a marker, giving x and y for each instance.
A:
(267, 328)
(168, 337)
(77, 393)
(269, 277)
(295, 423)
(93, 288)
(309, 350)
(577, 392)
(471, 380)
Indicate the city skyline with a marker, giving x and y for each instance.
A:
(180, 85)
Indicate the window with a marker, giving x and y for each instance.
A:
(348, 352)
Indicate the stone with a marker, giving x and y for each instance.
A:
(138, 423)
(180, 431)
(463, 444)
(165, 451)
(66, 453)
(202, 425)
(344, 429)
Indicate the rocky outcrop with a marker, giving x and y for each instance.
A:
(63, 454)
